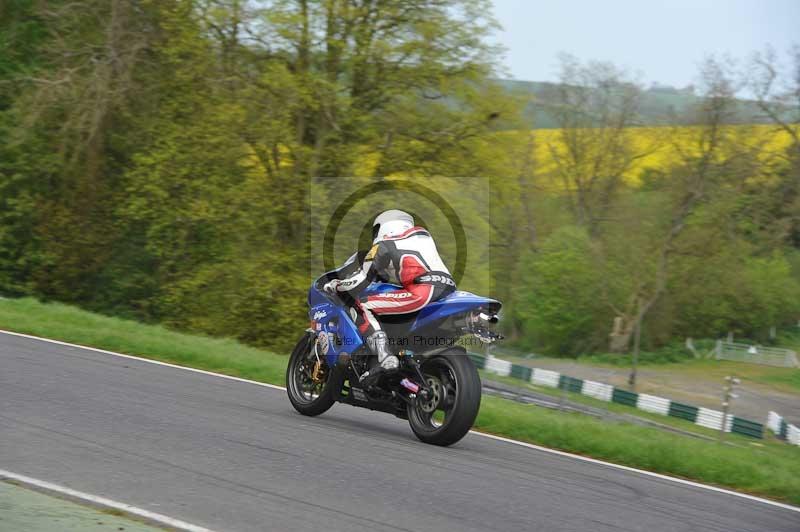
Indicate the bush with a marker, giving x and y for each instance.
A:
(558, 301)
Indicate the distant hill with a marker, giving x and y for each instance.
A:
(660, 105)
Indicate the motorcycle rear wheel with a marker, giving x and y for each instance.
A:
(308, 396)
(447, 416)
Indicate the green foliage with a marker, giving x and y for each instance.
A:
(735, 292)
(159, 153)
(159, 160)
(789, 336)
(21, 33)
(557, 301)
(668, 354)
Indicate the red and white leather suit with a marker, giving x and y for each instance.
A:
(409, 259)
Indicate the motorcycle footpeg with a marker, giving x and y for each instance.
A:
(370, 377)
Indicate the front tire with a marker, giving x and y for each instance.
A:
(309, 396)
(450, 413)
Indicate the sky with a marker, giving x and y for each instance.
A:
(660, 40)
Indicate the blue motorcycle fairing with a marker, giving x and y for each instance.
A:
(458, 302)
(342, 332)
(335, 321)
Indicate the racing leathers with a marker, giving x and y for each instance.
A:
(409, 259)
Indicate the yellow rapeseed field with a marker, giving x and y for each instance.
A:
(645, 149)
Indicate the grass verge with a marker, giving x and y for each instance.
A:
(786, 380)
(769, 468)
(63, 322)
(616, 408)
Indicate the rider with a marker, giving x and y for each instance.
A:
(403, 254)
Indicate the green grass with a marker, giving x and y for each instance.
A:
(670, 354)
(674, 353)
(789, 337)
(789, 379)
(781, 379)
(63, 322)
(771, 469)
(767, 468)
(677, 359)
(616, 408)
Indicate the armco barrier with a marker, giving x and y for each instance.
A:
(793, 435)
(598, 390)
(704, 417)
(522, 373)
(624, 397)
(478, 360)
(782, 429)
(687, 412)
(651, 403)
(570, 384)
(712, 419)
(495, 365)
(545, 377)
(747, 427)
(774, 422)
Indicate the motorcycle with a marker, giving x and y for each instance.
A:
(437, 389)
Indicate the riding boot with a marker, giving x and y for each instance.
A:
(387, 362)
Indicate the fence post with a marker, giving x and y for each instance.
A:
(729, 396)
(690, 346)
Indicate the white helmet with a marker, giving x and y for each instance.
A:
(390, 223)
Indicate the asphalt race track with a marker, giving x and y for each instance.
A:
(234, 456)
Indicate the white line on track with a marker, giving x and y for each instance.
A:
(477, 433)
(103, 502)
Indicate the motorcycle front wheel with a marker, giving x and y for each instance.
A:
(309, 379)
(448, 413)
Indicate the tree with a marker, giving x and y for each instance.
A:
(63, 153)
(694, 179)
(557, 295)
(776, 86)
(361, 65)
(595, 106)
(777, 90)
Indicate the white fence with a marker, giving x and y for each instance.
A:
(598, 390)
(704, 417)
(651, 403)
(500, 367)
(793, 435)
(782, 429)
(545, 377)
(769, 356)
(712, 419)
(774, 422)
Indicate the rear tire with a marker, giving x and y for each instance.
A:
(308, 401)
(458, 386)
